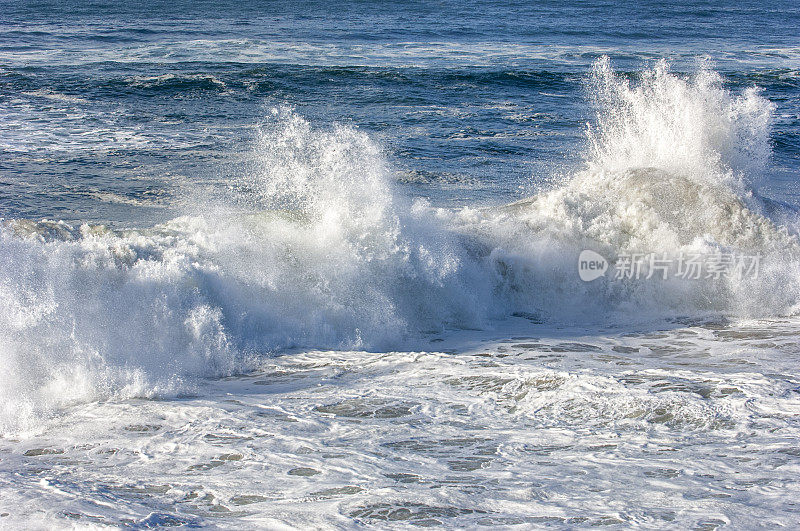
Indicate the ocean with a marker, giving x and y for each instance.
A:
(469, 264)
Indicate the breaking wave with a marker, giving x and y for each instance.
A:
(319, 249)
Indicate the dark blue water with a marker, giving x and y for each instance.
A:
(119, 111)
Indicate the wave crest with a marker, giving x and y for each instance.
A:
(691, 127)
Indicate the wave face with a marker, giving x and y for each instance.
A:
(317, 248)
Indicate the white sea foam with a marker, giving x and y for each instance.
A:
(381, 54)
(569, 428)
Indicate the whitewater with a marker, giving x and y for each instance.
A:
(314, 347)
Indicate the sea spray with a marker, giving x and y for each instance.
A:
(671, 170)
(692, 127)
(330, 256)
